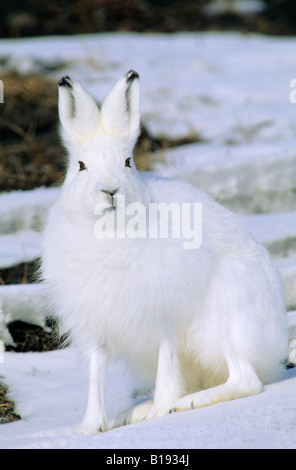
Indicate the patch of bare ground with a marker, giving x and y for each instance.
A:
(7, 408)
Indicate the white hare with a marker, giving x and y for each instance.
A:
(205, 324)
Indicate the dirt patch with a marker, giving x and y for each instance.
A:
(21, 274)
(21, 18)
(32, 338)
(7, 414)
(30, 151)
(29, 337)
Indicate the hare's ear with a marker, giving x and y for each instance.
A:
(121, 110)
(79, 114)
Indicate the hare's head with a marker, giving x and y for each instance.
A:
(100, 141)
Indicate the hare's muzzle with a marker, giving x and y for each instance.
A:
(111, 194)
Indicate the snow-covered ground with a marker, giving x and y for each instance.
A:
(231, 90)
(51, 390)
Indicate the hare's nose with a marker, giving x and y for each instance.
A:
(110, 192)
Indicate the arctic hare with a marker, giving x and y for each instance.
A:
(206, 323)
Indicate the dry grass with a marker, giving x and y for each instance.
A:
(35, 18)
(30, 151)
(21, 274)
(7, 414)
(32, 338)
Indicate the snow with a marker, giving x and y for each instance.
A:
(25, 210)
(19, 247)
(245, 7)
(231, 90)
(51, 389)
(21, 302)
(257, 177)
(22, 216)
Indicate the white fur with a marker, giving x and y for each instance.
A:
(207, 324)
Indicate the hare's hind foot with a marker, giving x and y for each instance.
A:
(241, 383)
(227, 391)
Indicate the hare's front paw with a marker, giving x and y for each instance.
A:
(145, 410)
(90, 425)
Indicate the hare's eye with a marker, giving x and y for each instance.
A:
(128, 162)
(81, 166)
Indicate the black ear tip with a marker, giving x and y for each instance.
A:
(131, 75)
(65, 81)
